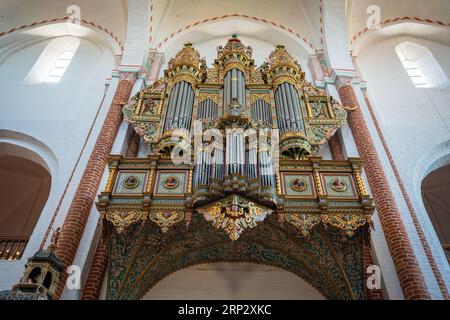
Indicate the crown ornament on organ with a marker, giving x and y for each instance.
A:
(235, 50)
(187, 65)
(283, 67)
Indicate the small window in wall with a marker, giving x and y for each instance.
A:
(59, 68)
(54, 61)
(421, 66)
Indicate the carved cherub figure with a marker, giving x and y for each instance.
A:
(54, 239)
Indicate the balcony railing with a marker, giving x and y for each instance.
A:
(11, 248)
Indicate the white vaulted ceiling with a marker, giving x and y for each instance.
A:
(179, 16)
(101, 15)
(297, 20)
(432, 12)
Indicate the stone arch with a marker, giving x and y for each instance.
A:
(333, 266)
(18, 41)
(245, 26)
(437, 158)
(61, 27)
(300, 39)
(408, 28)
(21, 146)
(26, 167)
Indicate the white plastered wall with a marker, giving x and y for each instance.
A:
(58, 116)
(414, 122)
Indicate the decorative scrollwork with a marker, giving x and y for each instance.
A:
(234, 214)
(166, 218)
(346, 222)
(304, 222)
(122, 218)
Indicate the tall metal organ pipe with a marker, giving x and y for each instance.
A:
(181, 102)
(261, 111)
(235, 152)
(266, 171)
(288, 104)
(207, 110)
(234, 87)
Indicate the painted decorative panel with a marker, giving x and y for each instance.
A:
(339, 185)
(171, 183)
(130, 182)
(298, 185)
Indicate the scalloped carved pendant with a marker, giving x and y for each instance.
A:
(234, 214)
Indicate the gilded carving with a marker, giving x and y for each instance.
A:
(234, 214)
(208, 95)
(346, 222)
(303, 222)
(166, 218)
(260, 96)
(122, 218)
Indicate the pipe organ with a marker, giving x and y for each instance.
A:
(233, 154)
(247, 137)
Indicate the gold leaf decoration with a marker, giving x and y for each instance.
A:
(234, 214)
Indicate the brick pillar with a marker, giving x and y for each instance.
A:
(426, 246)
(409, 273)
(97, 272)
(77, 216)
(133, 145)
(373, 294)
(335, 148)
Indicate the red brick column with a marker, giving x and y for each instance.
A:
(77, 216)
(426, 247)
(99, 264)
(409, 273)
(336, 148)
(97, 272)
(133, 145)
(373, 294)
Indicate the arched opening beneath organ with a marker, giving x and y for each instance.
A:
(233, 281)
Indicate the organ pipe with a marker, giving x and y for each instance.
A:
(261, 111)
(207, 110)
(234, 87)
(288, 109)
(181, 102)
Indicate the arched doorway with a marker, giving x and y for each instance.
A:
(24, 190)
(232, 281)
(435, 195)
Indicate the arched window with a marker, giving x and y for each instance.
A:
(60, 66)
(53, 61)
(421, 66)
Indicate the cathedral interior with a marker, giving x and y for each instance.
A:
(204, 149)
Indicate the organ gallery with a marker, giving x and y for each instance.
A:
(224, 150)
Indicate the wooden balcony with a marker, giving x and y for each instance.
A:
(11, 248)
